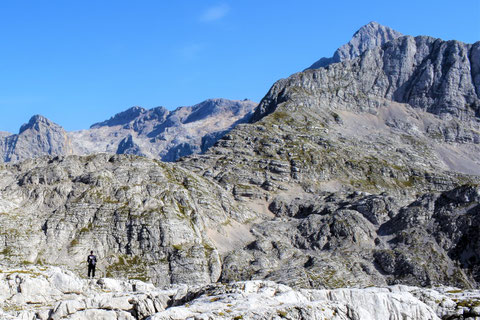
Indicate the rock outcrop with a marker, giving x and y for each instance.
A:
(362, 240)
(39, 136)
(52, 293)
(426, 73)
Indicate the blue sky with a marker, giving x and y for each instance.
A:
(80, 62)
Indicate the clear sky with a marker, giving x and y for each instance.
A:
(80, 62)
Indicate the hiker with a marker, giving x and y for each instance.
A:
(92, 261)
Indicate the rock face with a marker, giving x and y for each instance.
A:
(52, 293)
(373, 107)
(144, 219)
(156, 133)
(363, 240)
(367, 37)
(151, 220)
(426, 73)
(39, 136)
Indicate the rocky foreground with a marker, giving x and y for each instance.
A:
(53, 293)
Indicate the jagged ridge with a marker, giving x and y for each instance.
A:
(156, 133)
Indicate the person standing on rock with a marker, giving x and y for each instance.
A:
(92, 261)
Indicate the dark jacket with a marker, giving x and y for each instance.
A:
(92, 260)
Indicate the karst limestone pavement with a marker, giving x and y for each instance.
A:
(52, 293)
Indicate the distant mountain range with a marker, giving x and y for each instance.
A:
(156, 133)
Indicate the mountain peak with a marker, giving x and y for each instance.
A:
(372, 25)
(374, 31)
(121, 118)
(218, 106)
(35, 122)
(38, 137)
(368, 36)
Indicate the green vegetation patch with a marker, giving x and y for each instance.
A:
(327, 278)
(177, 247)
(131, 267)
(282, 313)
(469, 303)
(455, 291)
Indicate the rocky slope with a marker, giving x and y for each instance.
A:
(362, 240)
(159, 222)
(144, 218)
(51, 293)
(401, 123)
(367, 37)
(381, 122)
(156, 133)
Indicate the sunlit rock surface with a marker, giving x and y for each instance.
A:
(53, 293)
(155, 133)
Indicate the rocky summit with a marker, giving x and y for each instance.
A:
(351, 185)
(367, 37)
(39, 136)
